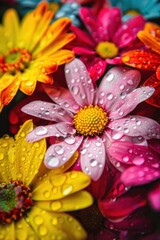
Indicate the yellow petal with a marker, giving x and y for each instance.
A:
(7, 158)
(11, 24)
(41, 223)
(54, 32)
(59, 186)
(24, 231)
(28, 156)
(30, 23)
(57, 44)
(6, 81)
(7, 232)
(75, 201)
(3, 41)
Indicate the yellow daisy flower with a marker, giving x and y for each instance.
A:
(31, 50)
(33, 199)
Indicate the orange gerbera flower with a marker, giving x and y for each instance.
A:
(31, 50)
(148, 59)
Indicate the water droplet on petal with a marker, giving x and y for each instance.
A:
(121, 87)
(67, 189)
(93, 162)
(138, 161)
(126, 130)
(83, 150)
(98, 144)
(56, 205)
(110, 77)
(126, 159)
(70, 140)
(1, 156)
(75, 90)
(42, 230)
(59, 149)
(41, 131)
(138, 122)
(123, 95)
(109, 96)
(38, 220)
(52, 161)
(130, 82)
(67, 71)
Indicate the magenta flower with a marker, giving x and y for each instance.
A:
(107, 38)
(141, 164)
(88, 119)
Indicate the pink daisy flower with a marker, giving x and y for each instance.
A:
(87, 119)
(107, 38)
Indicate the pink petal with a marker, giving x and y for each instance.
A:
(123, 205)
(92, 157)
(57, 130)
(116, 82)
(62, 97)
(127, 33)
(79, 82)
(83, 38)
(91, 23)
(132, 154)
(83, 51)
(139, 175)
(95, 66)
(154, 197)
(155, 145)
(136, 126)
(110, 21)
(127, 102)
(48, 111)
(58, 154)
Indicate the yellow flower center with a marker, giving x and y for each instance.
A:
(16, 59)
(132, 12)
(15, 199)
(106, 49)
(90, 120)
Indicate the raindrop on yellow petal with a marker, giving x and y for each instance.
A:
(1, 156)
(46, 194)
(56, 205)
(42, 231)
(38, 220)
(58, 182)
(67, 189)
(54, 221)
(73, 175)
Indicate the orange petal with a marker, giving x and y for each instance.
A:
(9, 93)
(155, 98)
(146, 60)
(149, 40)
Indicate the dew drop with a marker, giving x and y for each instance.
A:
(138, 122)
(109, 96)
(67, 71)
(126, 159)
(46, 194)
(42, 230)
(75, 90)
(110, 77)
(90, 155)
(59, 149)
(93, 162)
(1, 156)
(126, 130)
(41, 131)
(67, 189)
(123, 95)
(70, 140)
(121, 87)
(130, 82)
(56, 205)
(98, 144)
(138, 161)
(83, 96)
(83, 150)
(38, 220)
(101, 101)
(53, 161)
(66, 104)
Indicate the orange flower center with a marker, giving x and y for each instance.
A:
(16, 59)
(106, 49)
(15, 199)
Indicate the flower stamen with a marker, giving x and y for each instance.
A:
(106, 49)
(90, 120)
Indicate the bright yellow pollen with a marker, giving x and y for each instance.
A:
(132, 13)
(90, 120)
(106, 49)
